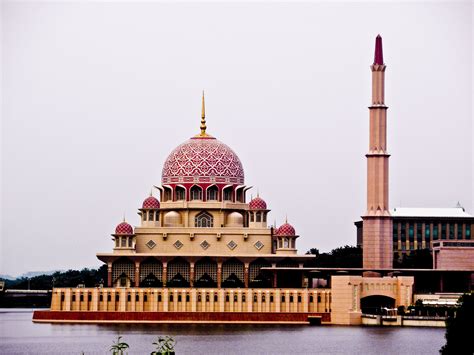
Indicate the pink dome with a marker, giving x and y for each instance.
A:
(257, 204)
(124, 228)
(203, 159)
(286, 230)
(151, 203)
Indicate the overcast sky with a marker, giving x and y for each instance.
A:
(96, 95)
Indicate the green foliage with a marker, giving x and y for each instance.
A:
(118, 347)
(164, 346)
(417, 259)
(70, 278)
(460, 328)
(344, 257)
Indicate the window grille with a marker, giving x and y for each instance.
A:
(254, 269)
(228, 194)
(233, 266)
(180, 193)
(205, 267)
(204, 219)
(196, 193)
(212, 193)
(125, 267)
(176, 267)
(153, 267)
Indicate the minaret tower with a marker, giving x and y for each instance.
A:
(377, 222)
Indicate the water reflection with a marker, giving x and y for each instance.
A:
(20, 336)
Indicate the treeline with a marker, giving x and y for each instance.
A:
(344, 257)
(70, 278)
(351, 257)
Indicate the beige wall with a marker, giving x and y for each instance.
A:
(191, 300)
(347, 292)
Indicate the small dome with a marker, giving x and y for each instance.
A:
(151, 203)
(286, 230)
(172, 219)
(235, 219)
(258, 204)
(124, 228)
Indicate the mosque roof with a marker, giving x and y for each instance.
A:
(202, 159)
(124, 228)
(286, 230)
(151, 203)
(257, 204)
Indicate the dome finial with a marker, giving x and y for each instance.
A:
(286, 219)
(203, 117)
(151, 192)
(123, 216)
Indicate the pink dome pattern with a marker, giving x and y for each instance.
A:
(203, 159)
(286, 230)
(257, 204)
(151, 203)
(124, 228)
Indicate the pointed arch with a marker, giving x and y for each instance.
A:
(232, 273)
(204, 220)
(178, 273)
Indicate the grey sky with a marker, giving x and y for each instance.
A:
(96, 95)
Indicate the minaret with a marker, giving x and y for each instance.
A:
(377, 222)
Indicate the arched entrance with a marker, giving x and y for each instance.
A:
(178, 273)
(376, 304)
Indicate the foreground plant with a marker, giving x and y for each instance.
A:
(118, 347)
(164, 346)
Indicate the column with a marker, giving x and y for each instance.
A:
(165, 299)
(219, 274)
(137, 273)
(165, 273)
(191, 273)
(246, 275)
(274, 276)
(109, 274)
(277, 301)
(194, 300)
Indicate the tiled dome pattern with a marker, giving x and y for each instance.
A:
(257, 204)
(286, 230)
(124, 228)
(203, 160)
(151, 203)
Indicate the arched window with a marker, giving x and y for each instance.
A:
(204, 219)
(212, 193)
(259, 216)
(180, 193)
(151, 215)
(196, 193)
(286, 244)
(240, 195)
(228, 193)
(167, 196)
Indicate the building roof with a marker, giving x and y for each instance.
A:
(456, 212)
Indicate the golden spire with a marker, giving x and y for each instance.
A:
(203, 117)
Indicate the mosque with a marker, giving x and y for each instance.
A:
(203, 253)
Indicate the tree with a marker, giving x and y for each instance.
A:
(460, 328)
(345, 257)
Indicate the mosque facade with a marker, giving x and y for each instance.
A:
(203, 253)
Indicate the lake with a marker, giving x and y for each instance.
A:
(19, 335)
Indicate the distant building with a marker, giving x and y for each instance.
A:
(419, 228)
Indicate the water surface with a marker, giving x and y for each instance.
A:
(19, 335)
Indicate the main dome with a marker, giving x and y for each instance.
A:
(202, 160)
